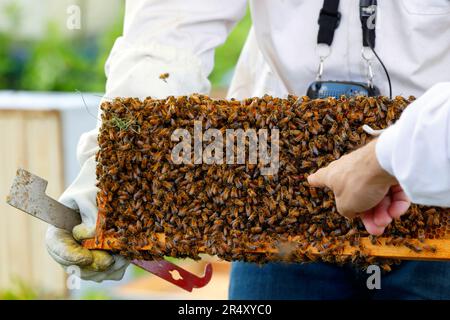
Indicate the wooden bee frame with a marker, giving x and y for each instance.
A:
(380, 249)
(127, 142)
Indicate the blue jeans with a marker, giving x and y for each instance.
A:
(315, 281)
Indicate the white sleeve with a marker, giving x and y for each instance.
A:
(176, 37)
(416, 149)
(160, 36)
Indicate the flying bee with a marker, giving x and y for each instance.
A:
(164, 76)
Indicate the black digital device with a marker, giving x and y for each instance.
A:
(329, 20)
(325, 89)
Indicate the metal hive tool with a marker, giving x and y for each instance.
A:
(28, 195)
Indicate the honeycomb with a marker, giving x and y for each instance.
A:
(231, 209)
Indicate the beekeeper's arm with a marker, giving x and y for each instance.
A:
(177, 37)
(413, 153)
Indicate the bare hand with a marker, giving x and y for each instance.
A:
(362, 188)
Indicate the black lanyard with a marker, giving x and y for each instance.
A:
(330, 17)
(329, 20)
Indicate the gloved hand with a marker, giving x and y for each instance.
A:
(95, 265)
(64, 246)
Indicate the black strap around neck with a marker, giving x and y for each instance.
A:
(329, 19)
(367, 15)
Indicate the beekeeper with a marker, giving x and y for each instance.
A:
(283, 53)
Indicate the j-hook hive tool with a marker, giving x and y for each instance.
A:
(28, 195)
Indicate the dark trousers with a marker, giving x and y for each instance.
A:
(316, 281)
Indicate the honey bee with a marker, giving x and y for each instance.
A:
(374, 240)
(429, 248)
(164, 76)
(413, 247)
(386, 267)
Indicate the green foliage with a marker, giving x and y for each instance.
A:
(121, 124)
(61, 64)
(58, 62)
(6, 66)
(19, 291)
(124, 124)
(55, 62)
(95, 295)
(8, 47)
(226, 56)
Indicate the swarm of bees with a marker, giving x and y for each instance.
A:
(233, 211)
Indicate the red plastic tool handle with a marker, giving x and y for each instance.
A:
(176, 275)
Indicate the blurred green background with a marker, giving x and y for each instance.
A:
(57, 61)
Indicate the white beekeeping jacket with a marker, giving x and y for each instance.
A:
(179, 37)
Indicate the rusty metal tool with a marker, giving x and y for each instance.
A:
(27, 194)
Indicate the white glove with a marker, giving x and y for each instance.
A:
(95, 265)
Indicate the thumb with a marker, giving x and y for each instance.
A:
(102, 260)
(83, 231)
(318, 179)
(64, 249)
